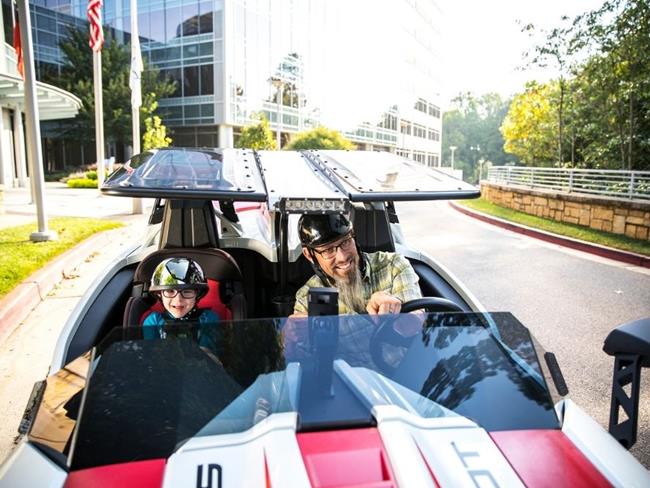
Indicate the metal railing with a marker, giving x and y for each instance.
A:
(612, 183)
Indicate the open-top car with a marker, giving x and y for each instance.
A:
(444, 393)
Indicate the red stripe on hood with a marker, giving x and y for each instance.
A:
(139, 474)
(547, 458)
(346, 458)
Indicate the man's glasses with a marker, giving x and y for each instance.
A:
(329, 252)
(186, 293)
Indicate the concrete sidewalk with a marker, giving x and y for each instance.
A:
(40, 312)
(63, 201)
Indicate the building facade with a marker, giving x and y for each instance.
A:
(300, 62)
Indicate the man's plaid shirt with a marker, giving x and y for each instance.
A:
(385, 271)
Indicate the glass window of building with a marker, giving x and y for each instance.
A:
(46, 22)
(190, 81)
(143, 26)
(207, 79)
(190, 19)
(157, 26)
(46, 38)
(205, 49)
(190, 51)
(205, 18)
(174, 74)
(172, 112)
(207, 110)
(174, 23)
(192, 111)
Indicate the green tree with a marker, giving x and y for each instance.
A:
(257, 136)
(530, 126)
(620, 31)
(557, 52)
(472, 126)
(320, 138)
(603, 102)
(77, 77)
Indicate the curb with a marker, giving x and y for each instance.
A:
(603, 251)
(19, 303)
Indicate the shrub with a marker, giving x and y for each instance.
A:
(155, 134)
(82, 183)
(91, 175)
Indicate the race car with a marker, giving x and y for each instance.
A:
(444, 393)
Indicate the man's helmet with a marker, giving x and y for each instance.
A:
(318, 230)
(179, 274)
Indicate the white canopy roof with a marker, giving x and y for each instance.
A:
(53, 102)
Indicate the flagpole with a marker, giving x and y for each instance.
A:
(136, 95)
(33, 131)
(96, 41)
(99, 119)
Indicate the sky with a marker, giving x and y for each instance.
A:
(483, 43)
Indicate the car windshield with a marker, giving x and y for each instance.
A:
(144, 390)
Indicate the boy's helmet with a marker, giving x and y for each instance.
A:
(318, 229)
(179, 274)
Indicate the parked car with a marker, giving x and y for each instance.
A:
(445, 393)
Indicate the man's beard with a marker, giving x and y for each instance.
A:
(351, 290)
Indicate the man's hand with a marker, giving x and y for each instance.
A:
(382, 302)
(295, 334)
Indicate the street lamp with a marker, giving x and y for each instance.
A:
(452, 149)
(477, 148)
(278, 83)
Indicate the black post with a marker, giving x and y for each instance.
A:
(627, 370)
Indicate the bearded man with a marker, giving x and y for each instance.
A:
(375, 283)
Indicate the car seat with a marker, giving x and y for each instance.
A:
(372, 230)
(225, 285)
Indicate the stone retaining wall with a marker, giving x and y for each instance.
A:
(620, 216)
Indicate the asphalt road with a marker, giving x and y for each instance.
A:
(568, 299)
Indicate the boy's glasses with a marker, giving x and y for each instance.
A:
(186, 293)
(330, 252)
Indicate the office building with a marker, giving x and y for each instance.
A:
(368, 68)
(53, 103)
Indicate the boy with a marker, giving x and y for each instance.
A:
(179, 284)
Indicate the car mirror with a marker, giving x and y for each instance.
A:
(630, 345)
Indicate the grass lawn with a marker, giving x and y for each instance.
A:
(569, 230)
(19, 257)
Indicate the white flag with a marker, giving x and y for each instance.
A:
(136, 59)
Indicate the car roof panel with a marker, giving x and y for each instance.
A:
(289, 175)
(244, 175)
(376, 175)
(190, 173)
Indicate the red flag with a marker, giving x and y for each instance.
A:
(19, 51)
(94, 12)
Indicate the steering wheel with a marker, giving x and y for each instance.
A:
(386, 334)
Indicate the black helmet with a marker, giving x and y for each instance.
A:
(318, 229)
(179, 274)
